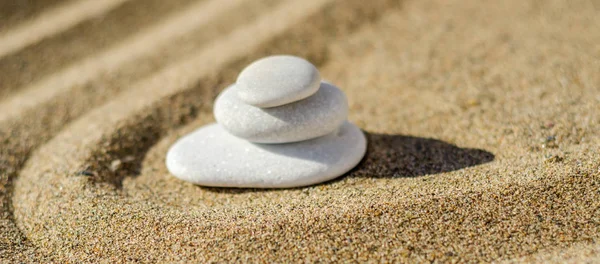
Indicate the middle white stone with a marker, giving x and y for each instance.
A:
(314, 116)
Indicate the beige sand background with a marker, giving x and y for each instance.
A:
(482, 119)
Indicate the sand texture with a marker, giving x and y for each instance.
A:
(483, 122)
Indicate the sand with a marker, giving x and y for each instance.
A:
(482, 119)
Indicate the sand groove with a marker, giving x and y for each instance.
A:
(185, 74)
(138, 45)
(88, 140)
(93, 35)
(41, 123)
(51, 22)
(14, 12)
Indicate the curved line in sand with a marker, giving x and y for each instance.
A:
(181, 75)
(173, 80)
(52, 22)
(137, 46)
(54, 179)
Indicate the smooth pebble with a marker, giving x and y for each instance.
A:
(315, 116)
(277, 80)
(210, 156)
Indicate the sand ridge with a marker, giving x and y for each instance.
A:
(482, 143)
(72, 44)
(51, 22)
(143, 43)
(13, 13)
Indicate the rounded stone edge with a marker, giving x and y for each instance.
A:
(255, 139)
(334, 175)
(312, 88)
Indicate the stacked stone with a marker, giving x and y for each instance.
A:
(279, 126)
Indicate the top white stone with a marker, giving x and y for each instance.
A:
(277, 80)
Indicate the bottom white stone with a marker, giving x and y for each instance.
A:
(210, 156)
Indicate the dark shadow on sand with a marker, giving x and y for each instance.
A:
(397, 156)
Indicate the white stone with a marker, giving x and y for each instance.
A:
(210, 156)
(277, 80)
(312, 117)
